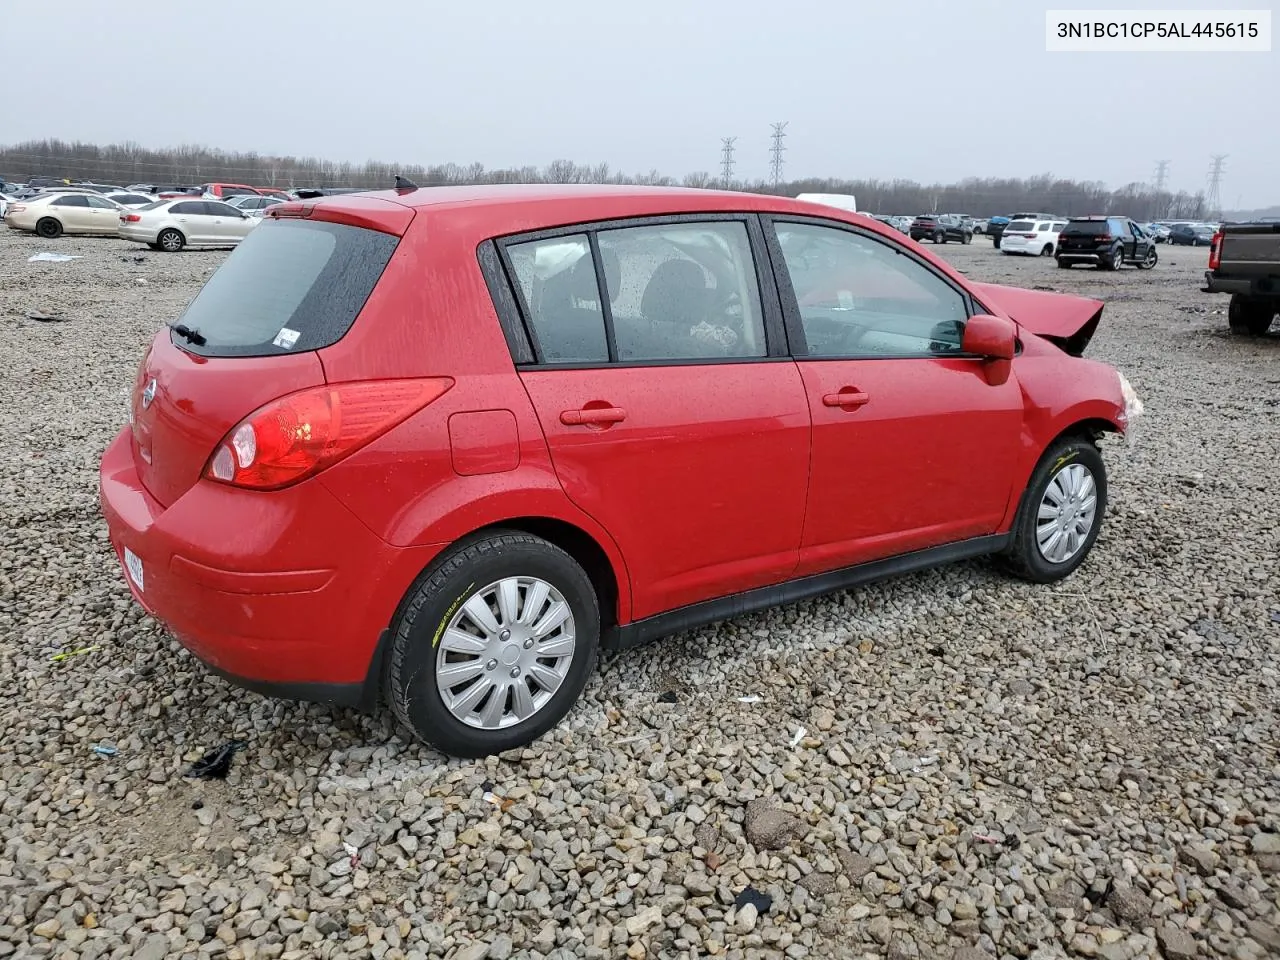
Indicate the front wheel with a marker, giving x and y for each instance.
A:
(1149, 260)
(1061, 513)
(939, 238)
(1250, 316)
(966, 238)
(493, 644)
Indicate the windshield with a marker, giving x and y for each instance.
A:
(291, 285)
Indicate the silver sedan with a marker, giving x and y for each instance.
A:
(172, 225)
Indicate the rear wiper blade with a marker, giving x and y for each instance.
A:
(191, 336)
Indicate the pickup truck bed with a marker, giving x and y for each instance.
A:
(1244, 261)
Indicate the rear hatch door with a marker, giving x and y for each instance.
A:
(292, 287)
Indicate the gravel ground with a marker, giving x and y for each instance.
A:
(952, 764)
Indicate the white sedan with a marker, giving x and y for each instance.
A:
(1037, 238)
(171, 225)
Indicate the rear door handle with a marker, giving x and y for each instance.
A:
(589, 415)
(848, 397)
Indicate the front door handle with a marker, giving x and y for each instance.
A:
(848, 397)
(592, 415)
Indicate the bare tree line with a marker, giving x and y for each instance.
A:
(129, 162)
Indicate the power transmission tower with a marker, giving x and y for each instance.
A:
(1213, 200)
(779, 132)
(726, 159)
(1162, 174)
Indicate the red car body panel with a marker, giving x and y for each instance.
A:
(897, 473)
(675, 471)
(716, 479)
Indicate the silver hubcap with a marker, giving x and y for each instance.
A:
(170, 241)
(1066, 513)
(505, 653)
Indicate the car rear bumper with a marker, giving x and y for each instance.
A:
(286, 593)
(1084, 256)
(142, 234)
(1247, 286)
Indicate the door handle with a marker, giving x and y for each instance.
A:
(848, 397)
(591, 415)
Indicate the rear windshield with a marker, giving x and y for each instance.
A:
(291, 285)
(1090, 228)
(1016, 225)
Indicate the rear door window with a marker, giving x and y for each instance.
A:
(72, 200)
(291, 285)
(557, 281)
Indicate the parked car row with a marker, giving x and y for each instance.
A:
(166, 217)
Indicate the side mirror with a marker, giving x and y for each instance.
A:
(993, 339)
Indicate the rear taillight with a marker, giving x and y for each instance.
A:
(1215, 251)
(17, 208)
(1103, 238)
(130, 217)
(299, 435)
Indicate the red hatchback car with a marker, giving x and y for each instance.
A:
(436, 447)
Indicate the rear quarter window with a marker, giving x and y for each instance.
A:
(290, 286)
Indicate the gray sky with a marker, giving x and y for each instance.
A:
(920, 89)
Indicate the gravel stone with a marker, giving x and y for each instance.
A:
(769, 828)
(1128, 904)
(1175, 943)
(1117, 728)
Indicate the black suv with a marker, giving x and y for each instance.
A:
(1107, 242)
(941, 228)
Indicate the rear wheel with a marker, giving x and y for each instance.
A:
(966, 238)
(1117, 258)
(171, 241)
(1061, 513)
(49, 228)
(1064, 264)
(995, 242)
(1150, 259)
(1047, 251)
(493, 644)
(1250, 316)
(939, 237)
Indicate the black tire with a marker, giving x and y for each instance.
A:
(1022, 557)
(170, 240)
(1047, 251)
(1064, 264)
(1117, 258)
(411, 684)
(49, 228)
(995, 242)
(1249, 316)
(1150, 259)
(966, 238)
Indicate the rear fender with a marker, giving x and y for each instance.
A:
(449, 512)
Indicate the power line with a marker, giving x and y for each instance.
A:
(726, 159)
(779, 132)
(1162, 174)
(1213, 199)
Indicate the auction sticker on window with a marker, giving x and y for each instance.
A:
(133, 564)
(1158, 31)
(286, 338)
